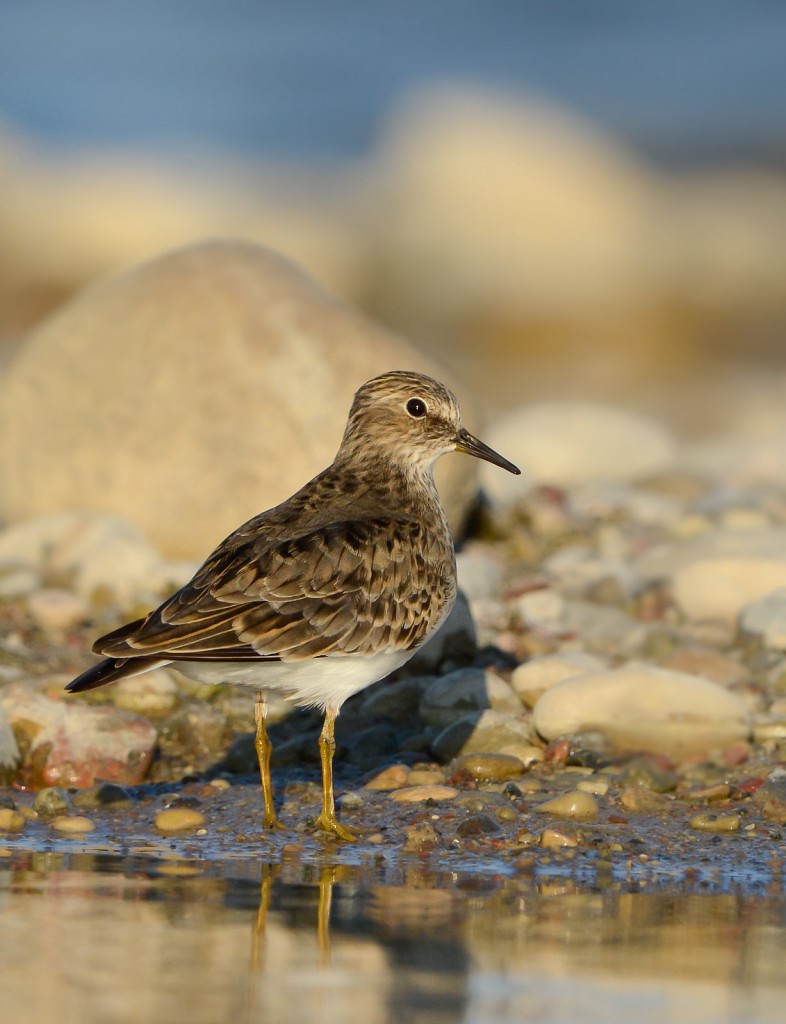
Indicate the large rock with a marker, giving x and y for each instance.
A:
(73, 743)
(639, 707)
(190, 393)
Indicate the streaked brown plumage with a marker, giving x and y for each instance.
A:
(329, 591)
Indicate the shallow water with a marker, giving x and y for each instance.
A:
(98, 937)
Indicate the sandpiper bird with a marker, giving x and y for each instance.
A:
(328, 592)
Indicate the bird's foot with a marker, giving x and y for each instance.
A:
(271, 822)
(329, 823)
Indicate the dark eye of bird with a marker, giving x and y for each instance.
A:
(416, 407)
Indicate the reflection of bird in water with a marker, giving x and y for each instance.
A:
(394, 952)
(331, 590)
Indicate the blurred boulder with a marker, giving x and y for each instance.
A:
(530, 240)
(190, 393)
(571, 442)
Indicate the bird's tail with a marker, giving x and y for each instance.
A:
(111, 669)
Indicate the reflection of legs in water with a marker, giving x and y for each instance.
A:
(269, 872)
(328, 876)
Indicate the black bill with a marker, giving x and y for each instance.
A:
(470, 445)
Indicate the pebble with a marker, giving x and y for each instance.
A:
(350, 801)
(765, 620)
(73, 824)
(477, 826)
(154, 693)
(489, 767)
(576, 804)
(771, 798)
(426, 777)
(179, 819)
(51, 802)
(57, 609)
(11, 820)
(540, 608)
(639, 707)
(393, 777)
(416, 794)
(524, 752)
(480, 573)
(105, 794)
(453, 696)
(535, 676)
(641, 801)
(645, 771)
(555, 839)
(705, 822)
(716, 791)
(17, 581)
(769, 727)
(420, 838)
(596, 786)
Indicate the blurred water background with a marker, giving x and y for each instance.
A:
(555, 198)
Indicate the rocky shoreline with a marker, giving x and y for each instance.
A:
(612, 681)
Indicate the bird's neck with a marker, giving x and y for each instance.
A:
(405, 485)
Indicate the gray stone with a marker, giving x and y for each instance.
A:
(455, 642)
(765, 620)
(451, 697)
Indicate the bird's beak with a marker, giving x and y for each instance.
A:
(470, 445)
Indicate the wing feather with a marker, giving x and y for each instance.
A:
(349, 588)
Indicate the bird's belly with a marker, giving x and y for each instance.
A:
(316, 682)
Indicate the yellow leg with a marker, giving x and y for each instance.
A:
(264, 748)
(327, 821)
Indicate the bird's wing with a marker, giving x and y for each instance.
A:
(347, 588)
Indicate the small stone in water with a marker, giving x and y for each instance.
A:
(350, 800)
(51, 803)
(11, 820)
(597, 786)
(553, 838)
(574, 805)
(393, 777)
(476, 826)
(419, 838)
(415, 794)
(705, 822)
(105, 794)
(426, 777)
(489, 767)
(179, 819)
(73, 824)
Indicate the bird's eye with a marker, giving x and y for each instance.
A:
(416, 407)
